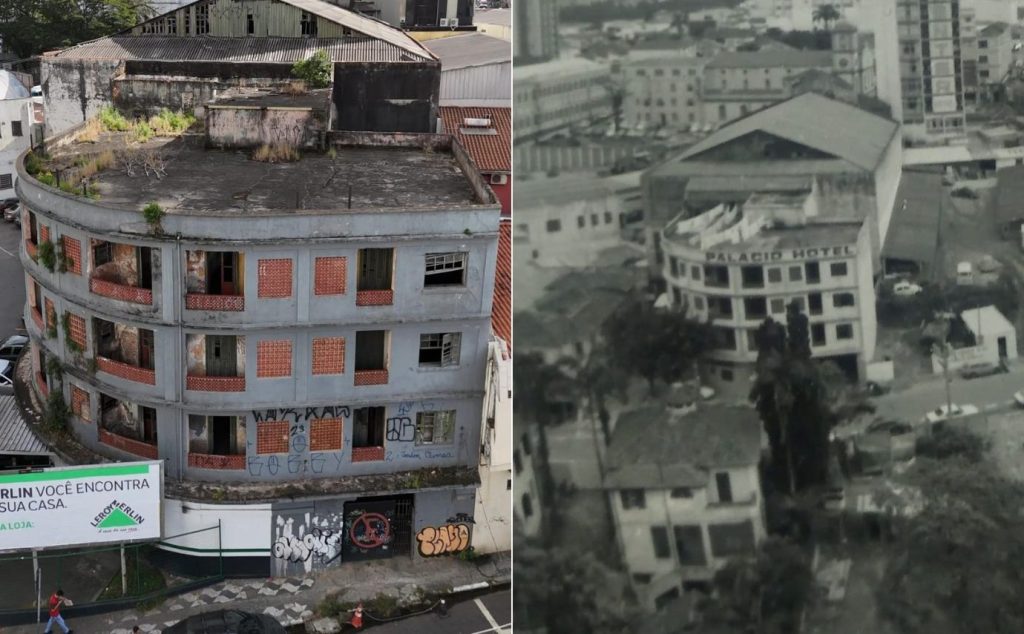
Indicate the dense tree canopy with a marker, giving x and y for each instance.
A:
(30, 27)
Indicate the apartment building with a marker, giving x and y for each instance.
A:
(16, 122)
(685, 493)
(736, 265)
(931, 72)
(995, 55)
(661, 88)
(554, 97)
(535, 38)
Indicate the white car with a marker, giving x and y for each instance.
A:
(1019, 397)
(943, 413)
(6, 377)
(906, 289)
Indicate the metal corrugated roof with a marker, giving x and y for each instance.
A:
(473, 49)
(14, 432)
(169, 48)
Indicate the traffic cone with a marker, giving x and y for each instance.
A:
(357, 617)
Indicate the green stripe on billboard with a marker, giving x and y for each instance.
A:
(69, 474)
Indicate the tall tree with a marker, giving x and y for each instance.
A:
(826, 14)
(655, 344)
(30, 27)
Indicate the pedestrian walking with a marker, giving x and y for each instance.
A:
(57, 601)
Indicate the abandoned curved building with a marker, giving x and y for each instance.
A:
(301, 340)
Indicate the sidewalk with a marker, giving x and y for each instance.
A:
(293, 600)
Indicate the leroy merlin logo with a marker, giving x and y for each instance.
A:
(117, 515)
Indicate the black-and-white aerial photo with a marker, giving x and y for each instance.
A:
(768, 268)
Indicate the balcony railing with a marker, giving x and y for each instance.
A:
(126, 371)
(214, 461)
(375, 298)
(204, 301)
(215, 383)
(121, 292)
(371, 377)
(130, 445)
(367, 454)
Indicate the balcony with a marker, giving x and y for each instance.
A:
(367, 454)
(204, 301)
(375, 298)
(196, 383)
(126, 371)
(31, 249)
(122, 292)
(371, 377)
(129, 445)
(218, 462)
(41, 384)
(37, 319)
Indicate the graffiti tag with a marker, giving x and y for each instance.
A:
(301, 414)
(443, 540)
(459, 518)
(370, 530)
(319, 543)
(400, 429)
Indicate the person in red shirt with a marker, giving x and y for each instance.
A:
(57, 601)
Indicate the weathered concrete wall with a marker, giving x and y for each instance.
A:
(243, 127)
(395, 98)
(146, 96)
(123, 267)
(76, 90)
(195, 271)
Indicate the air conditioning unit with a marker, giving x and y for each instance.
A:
(499, 179)
(401, 23)
(454, 22)
(444, 21)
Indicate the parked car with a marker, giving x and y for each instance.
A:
(12, 346)
(8, 202)
(227, 622)
(982, 370)
(13, 213)
(1019, 397)
(943, 413)
(6, 377)
(876, 389)
(906, 289)
(891, 427)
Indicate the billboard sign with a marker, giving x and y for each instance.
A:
(89, 504)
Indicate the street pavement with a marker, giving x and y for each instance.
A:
(488, 613)
(12, 280)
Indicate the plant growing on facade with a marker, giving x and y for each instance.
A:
(62, 259)
(55, 369)
(276, 153)
(154, 214)
(57, 412)
(315, 71)
(47, 255)
(72, 345)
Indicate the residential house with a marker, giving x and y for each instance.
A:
(17, 119)
(486, 135)
(995, 56)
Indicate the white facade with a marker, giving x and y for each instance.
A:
(730, 267)
(243, 528)
(557, 95)
(493, 529)
(16, 117)
(688, 517)
(662, 88)
(526, 501)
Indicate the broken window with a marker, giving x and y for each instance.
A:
(250, 23)
(632, 499)
(371, 350)
(16, 128)
(221, 355)
(101, 254)
(203, 19)
(368, 427)
(440, 349)
(375, 269)
(445, 269)
(308, 24)
(222, 273)
(216, 435)
(435, 428)
(171, 24)
(148, 416)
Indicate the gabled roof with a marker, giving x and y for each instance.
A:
(501, 309)
(810, 119)
(470, 49)
(652, 447)
(917, 215)
(491, 153)
(356, 22)
(772, 58)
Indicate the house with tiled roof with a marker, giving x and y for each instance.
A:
(486, 135)
(186, 57)
(683, 484)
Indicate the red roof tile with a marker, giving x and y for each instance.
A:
(491, 153)
(501, 310)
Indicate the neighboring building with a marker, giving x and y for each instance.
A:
(319, 345)
(383, 79)
(556, 96)
(737, 84)
(1008, 209)
(969, 57)
(878, 17)
(996, 336)
(527, 503)
(685, 492)
(486, 134)
(661, 89)
(419, 16)
(913, 244)
(476, 70)
(492, 519)
(496, 23)
(1011, 11)
(931, 72)
(16, 123)
(848, 156)
(995, 55)
(736, 265)
(536, 31)
(853, 58)
(569, 221)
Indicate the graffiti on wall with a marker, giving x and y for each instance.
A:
(298, 460)
(302, 414)
(304, 541)
(443, 540)
(400, 429)
(370, 530)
